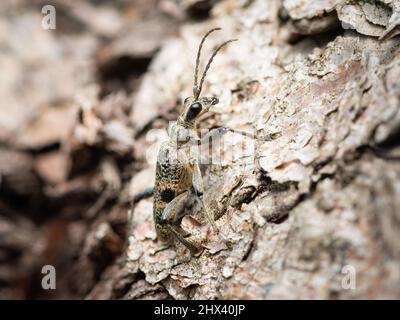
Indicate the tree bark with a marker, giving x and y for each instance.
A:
(312, 213)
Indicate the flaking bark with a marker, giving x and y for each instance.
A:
(318, 77)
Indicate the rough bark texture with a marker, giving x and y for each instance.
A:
(79, 111)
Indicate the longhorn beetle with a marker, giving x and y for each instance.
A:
(178, 174)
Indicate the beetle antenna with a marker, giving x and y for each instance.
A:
(196, 91)
(209, 64)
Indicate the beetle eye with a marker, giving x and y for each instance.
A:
(196, 107)
(194, 110)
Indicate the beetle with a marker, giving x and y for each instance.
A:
(178, 174)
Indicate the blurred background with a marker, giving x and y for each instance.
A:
(52, 170)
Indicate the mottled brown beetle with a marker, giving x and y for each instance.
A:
(178, 174)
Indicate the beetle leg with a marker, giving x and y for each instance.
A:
(147, 193)
(199, 190)
(171, 216)
(219, 132)
(174, 208)
(194, 248)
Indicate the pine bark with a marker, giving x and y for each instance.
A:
(314, 214)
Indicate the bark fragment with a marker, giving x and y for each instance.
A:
(318, 196)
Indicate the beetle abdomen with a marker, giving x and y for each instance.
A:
(173, 177)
